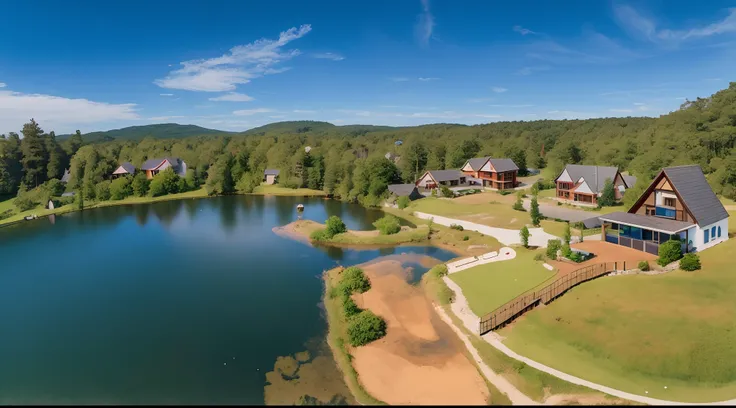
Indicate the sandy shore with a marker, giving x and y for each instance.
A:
(420, 360)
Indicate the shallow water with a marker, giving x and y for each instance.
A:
(176, 302)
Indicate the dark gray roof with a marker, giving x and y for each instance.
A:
(271, 172)
(502, 165)
(446, 175)
(477, 162)
(594, 176)
(648, 222)
(66, 176)
(594, 222)
(128, 167)
(699, 198)
(629, 180)
(401, 189)
(68, 194)
(151, 164)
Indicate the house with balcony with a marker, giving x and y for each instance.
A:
(499, 174)
(582, 185)
(432, 179)
(152, 167)
(679, 204)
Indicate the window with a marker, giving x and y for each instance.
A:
(713, 232)
(719, 231)
(707, 236)
(669, 201)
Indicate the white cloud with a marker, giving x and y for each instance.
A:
(232, 97)
(399, 79)
(639, 25)
(510, 106)
(2, 85)
(427, 79)
(57, 113)
(328, 55)
(304, 111)
(523, 31)
(160, 118)
(166, 94)
(425, 24)
(498, 89)
(249, 112)
(239, 66)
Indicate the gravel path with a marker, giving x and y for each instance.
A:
(505, 236)
(563, 213)
(503, 254)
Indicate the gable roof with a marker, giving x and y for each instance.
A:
(697, 196)
(445, 175)
(66, 176)
(502, 165)
(476, 163)
(129, 168)
(271, 172)
(594, 176)
(153, 164)
(629, 180)
(402, 189)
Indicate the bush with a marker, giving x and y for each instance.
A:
(690, 262)
(575, 256)
(248, 182)
(388, 225)
(439, 270)
(524, 235)
(102, 190)
(534, 212)
(535, 189)
(446, 192)
(120, 188)
(504, 192)
(552, 246)
(349, 307)
(669, 252)
(643, 266)
(354, 280)
(457, 227)
(334, 226)
(566, 251)
(364, 328)
(568, 234)
(24, 203)
(519, 203)
(403, 202)
(539, 257)
(434, 192)
(319, 235)
(140, 184)
(465, 238)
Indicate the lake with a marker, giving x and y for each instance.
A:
(186, 301)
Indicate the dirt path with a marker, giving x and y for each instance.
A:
(420, 361)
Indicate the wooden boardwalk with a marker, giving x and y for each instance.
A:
(527, 301)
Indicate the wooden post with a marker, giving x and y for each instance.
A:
(603, 231)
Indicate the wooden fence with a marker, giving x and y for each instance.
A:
(528, 300)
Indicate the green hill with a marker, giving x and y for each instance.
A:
(159, 131)
(305, 126)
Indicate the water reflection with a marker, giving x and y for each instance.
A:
(228, 219)
(141, 214)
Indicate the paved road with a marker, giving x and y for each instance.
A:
(561, 212)
(537, 236)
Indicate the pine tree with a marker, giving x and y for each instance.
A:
(534, 212)
(524, 235)
(568, 233)
(57, 158)
(35, 155)
(608, 195)
(11, 170)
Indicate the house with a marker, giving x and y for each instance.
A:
(307, 149)
(494, 173)
(271, 176)
(392, 156)
(403, 190)
(154, 166)
(678, 204)
(436, 178)
(579, 184)
(66, 176)
(124, 170)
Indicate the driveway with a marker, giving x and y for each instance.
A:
(561, 212)
(537, 236)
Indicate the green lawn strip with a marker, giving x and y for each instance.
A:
(337, 339)
(554, 227)
(491, 285)
(283, 191)
(641, 333)
(499, 215)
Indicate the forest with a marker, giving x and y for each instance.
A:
(348, 162)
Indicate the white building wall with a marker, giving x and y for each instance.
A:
(424, 180)
(565, 177)
(583, 188)
(699, 233)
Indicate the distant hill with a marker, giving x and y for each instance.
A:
(159, 131)
(304, 126)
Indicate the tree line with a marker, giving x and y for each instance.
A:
(349, 162)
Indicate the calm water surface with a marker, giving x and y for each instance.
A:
(177, 302)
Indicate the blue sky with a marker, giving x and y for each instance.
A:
(93, 65)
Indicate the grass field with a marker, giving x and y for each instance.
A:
(553, 227)
(642, 333)
(495, 215)
(489, 286)
(282, 191)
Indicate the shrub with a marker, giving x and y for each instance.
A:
(457, 227)
(669, 252)
(446, 192)
(534, 212)
(319, 235)
(539, 257)
(24, 203)
(334, 226)
(575, 256)
(504, 192)
(354, 280)
(140, 184)
(568, 234)
(465, 238)
(364, 328)
(552, 246)
(608, 195)
(524, 235)
(690, 262)
(102, 190)
(566, 251)
(535, 189)
(434, 192)
(519, 204)
(403, 202)
(643, 266)
(120, 188)
(439, 270)
(349, 307)
(388, 225)
(248, 182)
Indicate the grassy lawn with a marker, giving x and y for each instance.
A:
(489, 286)
(406, 235)
(724, 201)
(274, 189)
(548, 193)
(553, 227)
(642, 333)
(495, 215)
